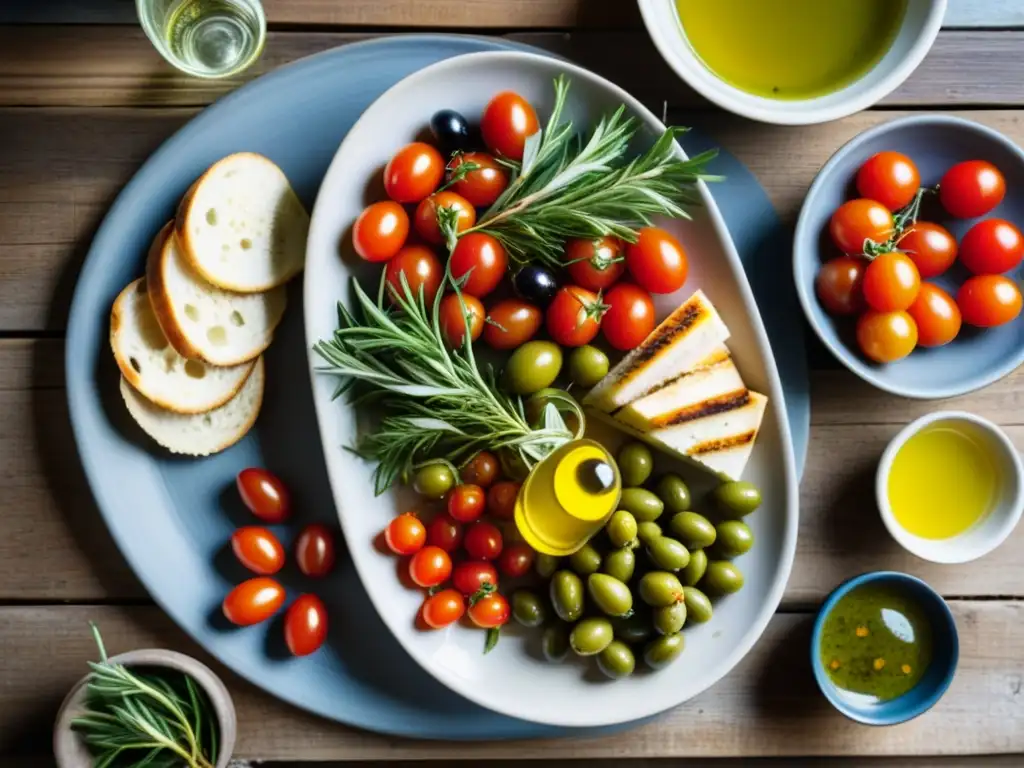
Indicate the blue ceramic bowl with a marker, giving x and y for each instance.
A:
(977, 357)
(929, 689)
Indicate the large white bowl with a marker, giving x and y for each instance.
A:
(512, 679)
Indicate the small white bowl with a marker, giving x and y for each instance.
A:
(921, 24)
(989, 532)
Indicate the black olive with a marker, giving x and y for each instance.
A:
(595, 476)
(451, 130)
(535, 285)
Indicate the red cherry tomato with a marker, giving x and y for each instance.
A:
(305, 625)
(253, 601)
(470, 576)
(574, 316)
(891, 178)
(380, 231)
(485, 256)
(258, 550)
(443, 608)
(421, 269)
(466, 503)
(445, 533)
(857, 221)
(483, 541)
(425, 219)
(489, 611)
(516, 560)
(971, 189)
(314, 550)
(511, 323)
(936, 315)
(891, 282)
(931, 247)
(414, 172)
(264, 494)
(501, 499)
(481, 470)
(992, 247)
(406, 534)
(507, 121)
(630, 316)
(453, 313)
(483, 185)
(430, 567)
(986, 301)
(595, 264)
(886, 336)
(657, 261)
(838, 285)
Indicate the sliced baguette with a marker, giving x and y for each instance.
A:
(152, 366)
(205, 322)
(241, 225)
(199, 434)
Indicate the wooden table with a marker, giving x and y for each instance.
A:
(82, 105)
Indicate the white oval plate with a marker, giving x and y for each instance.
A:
(513, 679)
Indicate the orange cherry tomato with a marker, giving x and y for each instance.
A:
(574, 316)
(454, 312)
(989, 300)
(511, 323)
(657, 261)
(380, 231)
(305, 625)
(501, 499)
(489, 611)
(444, 608)
(406, 534)
(839, 285)
(482, 470)
(481, 186)
(992, 247)
(886, 336)
(857, 221)
(891, 178)
(314, 550)
(425, 220)
(258, 549)
(931, 247)
(936, 315)
(430, 567)
(264, 494)
(466, 503)
(595, 264)
(253, 601)
(414, 172)
(630, 316)
(485, 256)
(421, 269)
(507, 122)
(971, 189)
(891, 282)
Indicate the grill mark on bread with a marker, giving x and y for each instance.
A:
(729, 401)
(723, 444)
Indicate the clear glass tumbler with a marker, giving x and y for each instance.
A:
(205, 38)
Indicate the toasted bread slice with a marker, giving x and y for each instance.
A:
(199, 434)
(241, 225)
(155, 369)
(205, 322)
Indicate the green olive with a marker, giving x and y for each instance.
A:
(567, 595)
(610, 595)
(694, 570)
(591, 636)
(635, 628)
(648, 532)
(737, 498)
(659, 588)
(698, 606)
(587, 366)
(620, 564)
(585, 560)
(433, 480)
(555, 642)
(532, 367)
(734, 538)
(527, 608)
(668, 554)
(722, 578)
(663, 650)
(695, 531)
(674, 493)
(635, 464)
(669, 619)
(617, 660)
(546, 565)
(621, 528)
(644, 505)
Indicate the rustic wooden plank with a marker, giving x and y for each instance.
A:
(768, 706)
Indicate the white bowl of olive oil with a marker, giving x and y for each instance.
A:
(793, 62)
(950, 487)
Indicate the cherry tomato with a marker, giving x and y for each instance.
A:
(444, 532)
(443, 608)
(838, 285)
(501, 499)
(253, 601)
(857, 221)
(264, 495)
(483, 541)
(421, 269)
(430, 567)
(595, 264)
(507, 121)
(886, 336)
(516, 560)
(931, 247)
(936, 315)
(989, 300)
(406, 534)
(481, 186)
(891, 282)
(466, 503)
(491, 610)
(630, 316)
(511, 323)
(413, 173)
(971, 189)
(482, 470)
(305, 625)
(891, 178)
(453, 313)
(258, 550)
(380, 231)
(992, 247)
(314, 550)
(470, 576)
(425, 219)
(657, 261)
(483, 254)
(574, 317)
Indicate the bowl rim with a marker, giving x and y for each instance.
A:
(912, 543)
(826, 687)
(732, 99)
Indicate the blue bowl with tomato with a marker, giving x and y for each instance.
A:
(931, 306)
